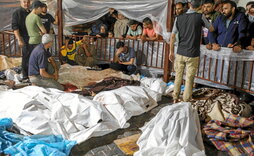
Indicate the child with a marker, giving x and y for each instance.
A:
(134, 31)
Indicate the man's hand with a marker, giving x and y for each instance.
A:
(237, 49)
(41, 33)
(21, 43)
(98, 35)
(230, 45)
(209, 46)
(85, 46)
(216, 47)
(118, 52)
(143, 38)
(250, 48)
(252, 42)
(171, 57)
(55, 76)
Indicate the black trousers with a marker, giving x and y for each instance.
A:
(127, 69)
(26, 52)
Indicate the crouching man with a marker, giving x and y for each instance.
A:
(86, 55)
(39, 70)
(124, 59)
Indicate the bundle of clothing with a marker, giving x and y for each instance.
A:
(234, 135)
(217, 104)
(106, 84)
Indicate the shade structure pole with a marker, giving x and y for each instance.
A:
(170, 20)
(60, 26)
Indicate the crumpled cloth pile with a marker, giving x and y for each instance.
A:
(39, 145)
(106, 84)
(234, 135)
(218, 104)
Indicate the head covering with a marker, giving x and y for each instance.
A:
(46, 38)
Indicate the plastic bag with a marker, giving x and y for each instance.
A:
(12, 75)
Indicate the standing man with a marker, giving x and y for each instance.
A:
(189, 26)
(20, 32)
(39, 67)
(211, 15)
(48, 19)
(34, 25)
(179, 8)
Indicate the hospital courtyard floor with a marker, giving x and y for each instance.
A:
(105, 146)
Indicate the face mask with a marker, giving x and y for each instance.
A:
(251, 18)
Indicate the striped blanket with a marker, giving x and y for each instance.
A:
(233, 136)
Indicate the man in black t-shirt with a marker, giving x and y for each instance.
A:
(48, 19)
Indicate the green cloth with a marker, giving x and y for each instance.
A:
(214, 15)
(33, 22)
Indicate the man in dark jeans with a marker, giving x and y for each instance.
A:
(124, 59)
(19, 28)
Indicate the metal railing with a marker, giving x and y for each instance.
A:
(237, 74)
(149, 53)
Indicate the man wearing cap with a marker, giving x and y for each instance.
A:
(19, 27)
(34, 25)
(40, 72)
(189, 26)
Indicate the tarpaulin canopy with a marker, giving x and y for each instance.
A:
(83, 11)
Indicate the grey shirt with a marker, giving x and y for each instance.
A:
(206, 22)
(188, 26)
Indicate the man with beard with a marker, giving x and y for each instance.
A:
(230, 29)
(179, 8)
(211, 15)
(20, 32)
(48, 19)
